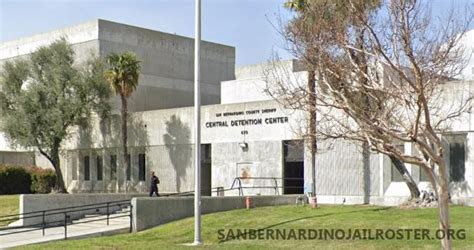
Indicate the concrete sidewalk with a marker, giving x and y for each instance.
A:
(74, 231)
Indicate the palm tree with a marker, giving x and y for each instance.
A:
(122, 75)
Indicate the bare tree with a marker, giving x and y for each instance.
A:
(301, 33)
(310, 140)
(382, 77)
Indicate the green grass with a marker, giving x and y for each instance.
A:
(174, 235)
(8, 205)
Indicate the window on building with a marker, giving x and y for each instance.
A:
(129, 164)
(423, 175)
(457, 154)
(396, 176)
(113, 167)
(74, 161)
(206, 152)
(141, 167)
(99, 168)
(87, 168)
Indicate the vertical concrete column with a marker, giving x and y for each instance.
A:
(381, 175)
(366, 172)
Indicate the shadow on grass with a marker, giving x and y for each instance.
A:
(308, 217)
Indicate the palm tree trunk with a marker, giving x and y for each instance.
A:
(124, 138)
(414, 191)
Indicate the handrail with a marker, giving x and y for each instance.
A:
(275, 187)
(71, 211)
(44, 214)
(56, 213)
(107, 205)
(270, 178)
(63, 208)
(192, 192)
(66, 212)
(240, 187)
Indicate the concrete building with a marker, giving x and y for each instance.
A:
(167, 60)
(245, 133)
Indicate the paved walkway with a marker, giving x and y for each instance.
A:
(83, 230)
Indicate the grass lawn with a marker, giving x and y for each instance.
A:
(8, 205)
(173, 235)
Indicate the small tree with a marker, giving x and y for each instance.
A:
(46, 95)
(122, 75)
(382, 79)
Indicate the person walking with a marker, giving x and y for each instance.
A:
(154, 184)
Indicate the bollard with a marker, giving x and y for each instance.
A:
(220, 191)
(314, 202)
(248, 202)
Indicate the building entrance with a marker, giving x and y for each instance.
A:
(206, 164)
(293, 167)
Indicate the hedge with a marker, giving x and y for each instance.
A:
(42, 180)
(14, 180)
(25, 180)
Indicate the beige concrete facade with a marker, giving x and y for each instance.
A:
(166, 138)
(166, 79)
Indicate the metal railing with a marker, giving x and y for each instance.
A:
(66, 212)
(237, 185)
(191, 193)
(65, 217)
(276, 187)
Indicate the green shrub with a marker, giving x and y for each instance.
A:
(42, 180)
(24, 180)
(14, 180)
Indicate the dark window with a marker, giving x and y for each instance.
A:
(457, 156)
(396, 176)
(206, 169)
(99, 168)
(457, 166)
(74, 168)
(423, 175)
(141, 167)
(113, 167)
(206, 151)
(87, 168)
(129, 164)
(293, 167)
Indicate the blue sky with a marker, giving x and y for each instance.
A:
(247, 25)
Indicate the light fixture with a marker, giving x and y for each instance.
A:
(243, 145)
